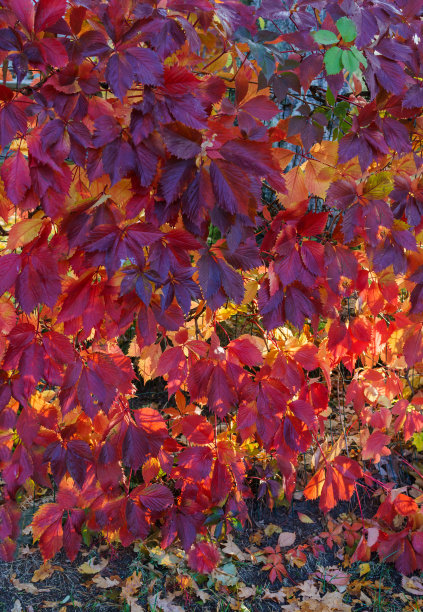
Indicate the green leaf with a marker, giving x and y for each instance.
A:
(325, 37)
(418, 441)
(349, 61)
(330, 98)
(347, 29)
(359, 56)
(341, 109)
(333, 60)
(86, 535)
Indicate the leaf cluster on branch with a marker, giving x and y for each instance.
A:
(236, 193)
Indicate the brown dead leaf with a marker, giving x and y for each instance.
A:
(200, 592)
(309, 590)
(135, 607)
(106, 582)
(278, 596)
(256, 538)
(366, 600)
(45, 571)
(244, 592)
(26, 587)
(163, 605)
(131, 587)
(230, 548)
(271, 529)
(91, 567)
(412, 585)
(332, 602)
(286, 538)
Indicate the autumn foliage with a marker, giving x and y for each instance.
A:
(192, 191)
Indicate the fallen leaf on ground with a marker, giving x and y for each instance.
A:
(304, 518)
(17, 606)
(271, 529)
(131, 587)
(334, 576)
(245, 592)
(163, 605)
(278, 596)
(230, 548)
(364, 568)
(27, 587)
(105, 582)
(91, 567)
(309, 589)
(45, 571)
(412, 585)
(226, 574)
(135, 607)
(296, 556)
(200, 592)
(286, 538)
(256, 538)
(332, 602)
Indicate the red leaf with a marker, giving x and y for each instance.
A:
(12, 120)
(197, 429)
(413, 348)
(246, 351)
(47, 527)
(155, 497)
(58, 347)
(146, 65)
(119, 74)
(15, 174)
(194, 463)
(334, 482)
(203, 557)
(376, 446)
(48, 13)
(405, 505)
(182, 141)
(9, 270)
(24, 11)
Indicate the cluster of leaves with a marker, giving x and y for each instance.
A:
(136, 139)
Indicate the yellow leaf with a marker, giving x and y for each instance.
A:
(418, 441)
(378, 186)
(23, 232)
(304, 518)
(364, 569)
(251, 289)
(91, 567)
(271, 529)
